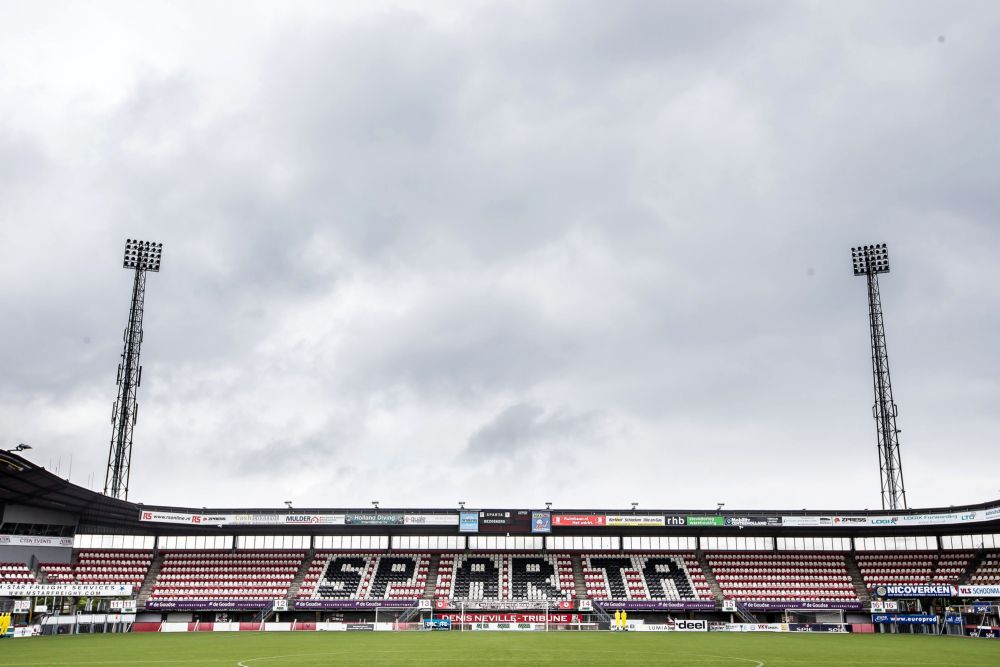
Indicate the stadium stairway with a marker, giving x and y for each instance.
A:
(432, 576)
(856, 578)
(580, 586)
(146, 589)
(300, 575)
(974, 564)
(706, 569)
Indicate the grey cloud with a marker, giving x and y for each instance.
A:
(382, 231)
(528, 428)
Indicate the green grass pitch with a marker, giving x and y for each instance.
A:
(498, 648)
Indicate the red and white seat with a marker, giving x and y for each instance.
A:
(782, 576)
(644, 576)
(920, 567)
(241, 575)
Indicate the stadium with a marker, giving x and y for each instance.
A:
(876, 585)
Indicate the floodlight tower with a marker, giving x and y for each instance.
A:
(869, 261)
(140, 257)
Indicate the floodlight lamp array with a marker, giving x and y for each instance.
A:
(870, 259)
(142, 255)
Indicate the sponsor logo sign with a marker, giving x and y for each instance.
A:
(352, 604)
(65, 590)
(914, 590)
(906, 619)
(850, 521)
(806, 521)
(541, 522)
(373, 519)
(979, 591)
(781, 605)
(166, 517)
(437, 623)
(656, 605)
(468, 522)
(752, 521)
(479, 617)
(633, 520)
(570, 520)
(359, 627)
(430, 519)
(35, 541)
(706, 521)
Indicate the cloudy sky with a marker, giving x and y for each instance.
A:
(506, 253)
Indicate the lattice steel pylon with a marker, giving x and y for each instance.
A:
(141, 257)
(870, 261)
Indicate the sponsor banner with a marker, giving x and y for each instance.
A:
(748, 627)
(35, 541)
(65, 590)
(354, 604)
(166, 517)
(906, 619)
(478, 617)
(656, 605)
(882, 606)
(850, 521)
(541, 522)
(208, 605)
(430, 519)
(806, 521)
(781, 605)
(914, 590)
(244, 519)
(983, 631)
(633, 520)
(571, 520)
(953, 619)
(526, 627)
(753, 521)
(672, 626)
(706, 521)
(468, 522)
(359, 627)
(979, 591)
(817, 627)
(501, 605)
(373, 519)
(437, 624)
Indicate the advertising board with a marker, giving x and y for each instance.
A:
(906, 619)
(373, 519)
(35, 541)
(706, 521)
(573, 520)
(468, 522)
(65, 590)
(430, 519)
(914, 590)
(992, 591)
(541, 522)
(633, 520)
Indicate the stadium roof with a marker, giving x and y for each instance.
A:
(24, 483)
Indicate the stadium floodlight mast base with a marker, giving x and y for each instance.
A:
(141, 257)
(870, 261)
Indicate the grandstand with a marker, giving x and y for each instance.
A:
(242, 568)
